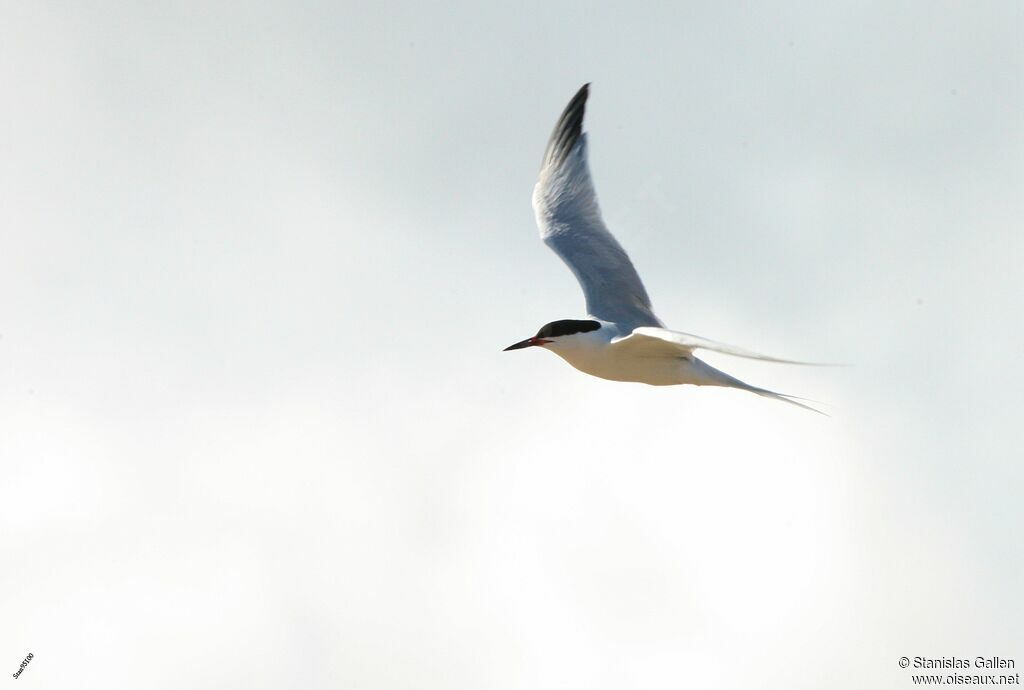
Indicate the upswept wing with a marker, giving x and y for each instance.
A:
(570, 223)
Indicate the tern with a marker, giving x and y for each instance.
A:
(621, 339)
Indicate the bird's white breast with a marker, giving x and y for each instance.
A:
(591, 353)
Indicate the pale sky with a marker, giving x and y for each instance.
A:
(259, 264)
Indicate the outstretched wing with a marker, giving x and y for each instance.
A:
(653, 342)
(570, 223)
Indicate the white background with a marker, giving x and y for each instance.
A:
(258, 264)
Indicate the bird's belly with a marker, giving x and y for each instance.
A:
(654, 371)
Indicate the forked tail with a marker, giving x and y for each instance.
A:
(713, 377)
(791, 399)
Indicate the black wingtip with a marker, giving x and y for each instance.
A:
(568, 129)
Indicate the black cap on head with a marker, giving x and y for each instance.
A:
(567, 327)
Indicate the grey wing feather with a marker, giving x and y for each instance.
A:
(570, 223)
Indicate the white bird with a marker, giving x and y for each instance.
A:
(621, 339)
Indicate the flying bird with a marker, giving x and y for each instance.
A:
(621, 339)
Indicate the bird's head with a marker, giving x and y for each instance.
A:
(566, 332)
